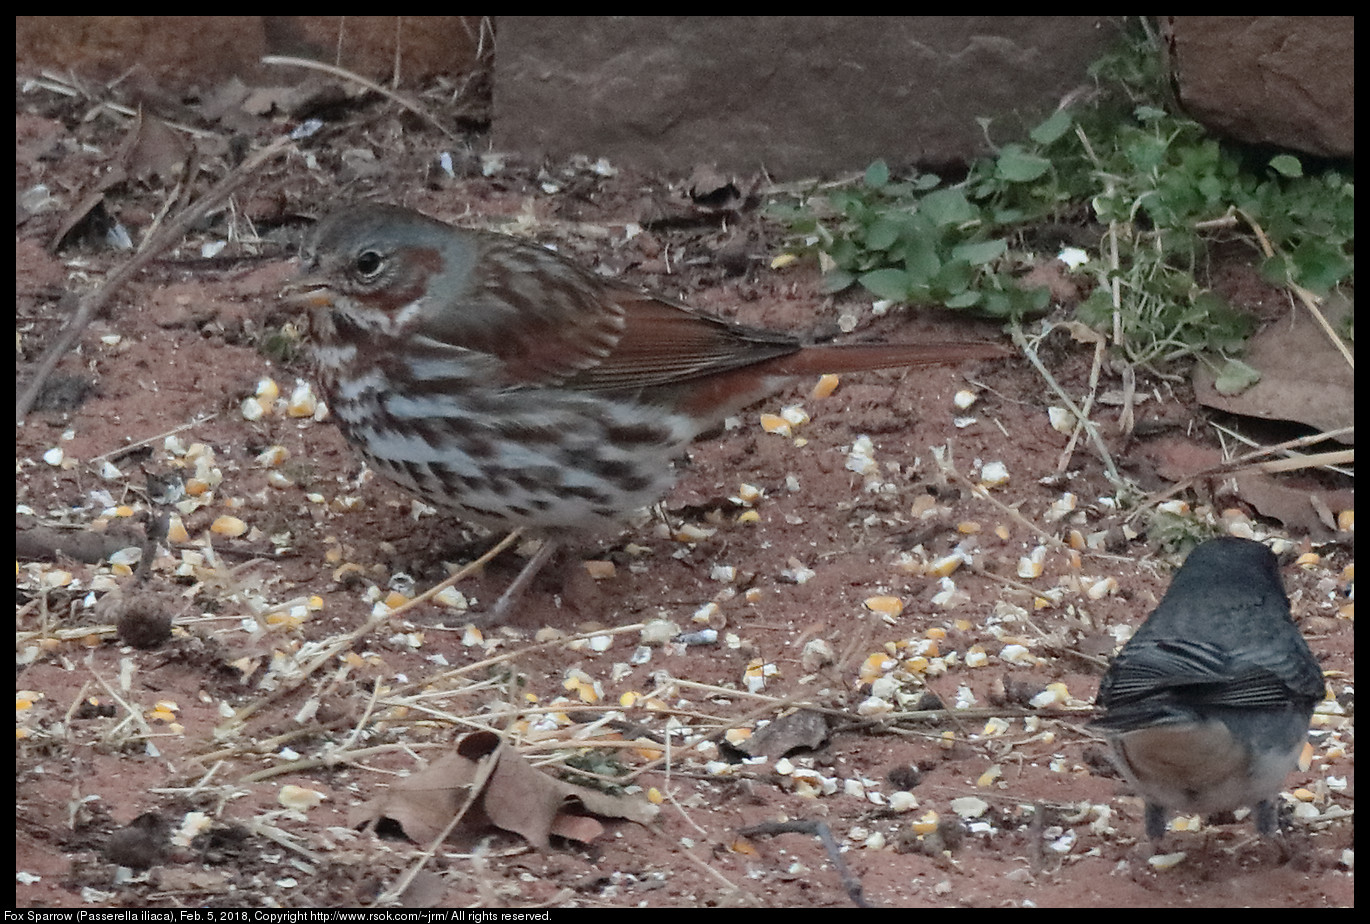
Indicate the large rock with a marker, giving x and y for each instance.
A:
(796, 96)
(1287, 81)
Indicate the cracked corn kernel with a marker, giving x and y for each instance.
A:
(302, 402)
(232, 527)
(1060, 419)
(599, 570)
(1102, 588)
(969, 807)
(1030, 566)
(289, 620)
(193, 825)
(58, 578)
(1060, 507)
(452, 598)
(1015, 654)
(925, 825)
(688, 532)
(580, 683)
(341, 573)
(163, 711)
(774, 423)
(826, 385)
(254, 409)
(272, 456)
(754, 677)
(724, 574)
(903, 801)
(887, 605)
(705, 613)
(736, 736)
(994, 474)
(299, 798)
(1055, 694)
(944, 565)
(875, 666)
(994, 727)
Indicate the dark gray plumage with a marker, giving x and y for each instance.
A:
(1207, 705)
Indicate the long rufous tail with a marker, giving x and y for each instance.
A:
(859, 357)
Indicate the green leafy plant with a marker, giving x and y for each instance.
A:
(1153, 188)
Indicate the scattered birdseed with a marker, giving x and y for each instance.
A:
(993, 475)
(299, 798)
(1164, 861)
(1061, 420)
(969, 806)
(889, 606)
(825, 386)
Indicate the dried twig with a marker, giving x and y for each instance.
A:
(824, 834)
(345, 74)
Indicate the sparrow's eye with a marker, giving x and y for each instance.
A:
(368, 264)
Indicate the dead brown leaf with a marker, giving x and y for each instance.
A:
(516, 797)
(1303, 376)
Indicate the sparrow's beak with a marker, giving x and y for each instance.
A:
(307, 292)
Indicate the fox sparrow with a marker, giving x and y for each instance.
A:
(502, 382)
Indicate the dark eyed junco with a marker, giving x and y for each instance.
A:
(1207, 705)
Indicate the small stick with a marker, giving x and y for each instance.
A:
(824, 834)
